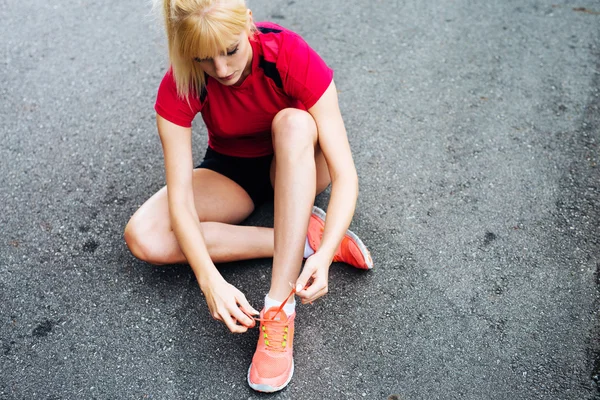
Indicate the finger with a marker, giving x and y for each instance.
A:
(316, 286)
(247, 309)
(252, 324)
(245, 306)
(304, 277)
(315, 297)
(251, 317)
(233, 327)
(319, 290)
(215, 315)
(241, 317)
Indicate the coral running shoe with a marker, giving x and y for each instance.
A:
(273, 363)
(352, 250)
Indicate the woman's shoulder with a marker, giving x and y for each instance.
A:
(276, 40)
(267, 27)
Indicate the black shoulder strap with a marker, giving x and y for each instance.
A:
(262, 29)
(204, 91)
(203, 94)
(271, 71)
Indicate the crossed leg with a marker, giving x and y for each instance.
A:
(220, 204)
(298, 172)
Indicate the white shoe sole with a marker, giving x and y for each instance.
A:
(266, 388)
(319, 213)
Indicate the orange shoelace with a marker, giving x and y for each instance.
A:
(280, 307)
(277, 337)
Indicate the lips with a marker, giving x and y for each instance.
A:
(227, 78)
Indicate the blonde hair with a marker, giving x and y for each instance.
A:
(201, 29)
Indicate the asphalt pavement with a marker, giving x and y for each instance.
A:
(475, 129)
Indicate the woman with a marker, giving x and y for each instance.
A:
(275, 133)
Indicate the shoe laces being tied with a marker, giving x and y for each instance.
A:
(274, 328)
(274, 331)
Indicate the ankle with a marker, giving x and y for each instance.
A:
(288, 308)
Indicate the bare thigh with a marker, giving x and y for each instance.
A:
(216, 197)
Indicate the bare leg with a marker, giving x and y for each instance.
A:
(220, 202)
(296, 173)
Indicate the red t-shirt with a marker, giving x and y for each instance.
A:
(286, 72)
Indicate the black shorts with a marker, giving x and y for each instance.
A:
(252, 174)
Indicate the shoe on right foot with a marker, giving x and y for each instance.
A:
(273, 363)
(351, 251)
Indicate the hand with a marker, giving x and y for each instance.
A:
(312, 282)
(227, 304)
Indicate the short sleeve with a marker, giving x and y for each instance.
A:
(305, 76)
(172, 107)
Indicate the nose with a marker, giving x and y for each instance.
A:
(220, 67)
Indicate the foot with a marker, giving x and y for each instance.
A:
(273, 363)
(351, 251)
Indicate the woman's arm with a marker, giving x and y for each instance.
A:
(344, 191)
(177, 148)
(221, 297)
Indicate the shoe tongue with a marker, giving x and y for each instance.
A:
(272, 313)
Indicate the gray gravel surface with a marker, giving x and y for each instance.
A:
(475, 128)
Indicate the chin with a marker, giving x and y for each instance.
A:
(230, 82)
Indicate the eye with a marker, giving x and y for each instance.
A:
(229, 53)
(232, 52)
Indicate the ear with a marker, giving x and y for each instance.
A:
(250, 22)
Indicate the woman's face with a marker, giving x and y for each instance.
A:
(232, 68)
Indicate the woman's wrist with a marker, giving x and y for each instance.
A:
(208, 278)
(325, 256)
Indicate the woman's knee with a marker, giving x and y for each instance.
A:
(136, 238)
(293, 128)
